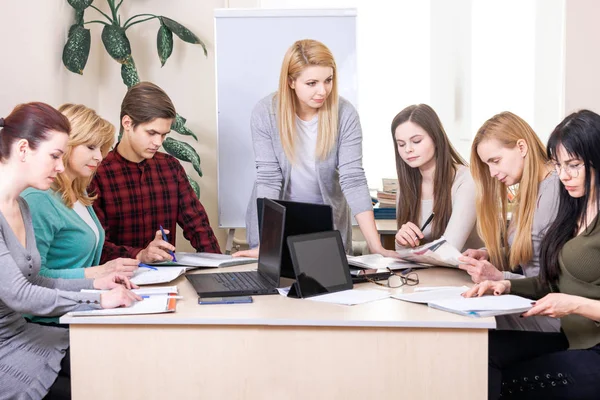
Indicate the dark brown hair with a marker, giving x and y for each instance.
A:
(409, 179)
(32, 122)
(145, 102)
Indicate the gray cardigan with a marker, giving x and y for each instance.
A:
(341, 176)
(30, 354)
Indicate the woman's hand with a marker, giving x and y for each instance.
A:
(478, 254)
(480, 270)
(125, 266)
(113, 280)
(252, 253)
(157, 250)
(555, 305)
(409, 235)
(118, 297)
(488, 287)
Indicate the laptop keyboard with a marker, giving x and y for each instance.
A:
(239, 281)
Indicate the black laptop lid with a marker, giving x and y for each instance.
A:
(320, 263)
(271, 240)
(300, 218)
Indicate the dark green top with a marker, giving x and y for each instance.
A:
(579, 263)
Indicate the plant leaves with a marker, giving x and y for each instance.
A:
(183, 151)
(182, 32)
(116, 43)
(194, 186)
(77, 49)
(164, 43)
(178, 126)
(80, 4)
(129, 73)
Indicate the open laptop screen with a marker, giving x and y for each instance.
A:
(271, 240)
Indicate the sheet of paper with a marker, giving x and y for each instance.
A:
(485, 303)
(424, 297)
(207, 260)
(427, 288)
(152, 305)
(147, 276)
(142, 291)
(377, 261)
(351, 297)
(438, 253)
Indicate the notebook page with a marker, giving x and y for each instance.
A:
(147, 276)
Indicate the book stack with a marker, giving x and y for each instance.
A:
(386, 200)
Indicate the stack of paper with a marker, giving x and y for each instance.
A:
(211, 260)
(160, 303)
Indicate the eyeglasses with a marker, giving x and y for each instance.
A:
(570, 169)
(395, 280)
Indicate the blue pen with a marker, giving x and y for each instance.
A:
(147, 266)
(164, 236)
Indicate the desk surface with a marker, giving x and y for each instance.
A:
(276, 310)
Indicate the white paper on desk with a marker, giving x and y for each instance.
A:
(147, 276)
(284, 291)
(142, 291)
(484, 306)
(351, 297)
(151, 305)
(377, 261)
(427, 296)
(207, 260)
(438, 253)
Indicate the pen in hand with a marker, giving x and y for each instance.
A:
(427, 222)
(142, 265)
(164, 236)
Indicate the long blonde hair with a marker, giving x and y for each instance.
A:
(87, 128)
(447, 160)
(492, 195)
(301, 54)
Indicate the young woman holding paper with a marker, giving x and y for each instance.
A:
(564, 364)
(434, 183)
(505, 152)
(33, 139)
(308, 146)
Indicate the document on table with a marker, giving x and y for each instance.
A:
(351, 297)
(484, 306)
(147, 276)
(424, 297)
(150, 291)
(151, 305)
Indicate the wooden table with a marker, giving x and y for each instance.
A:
(283, 348)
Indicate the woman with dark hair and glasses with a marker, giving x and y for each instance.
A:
(566, 364)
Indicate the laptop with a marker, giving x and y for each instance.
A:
(300, 218)
(262, 281)
(320, 263)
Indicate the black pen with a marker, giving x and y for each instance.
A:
(427, 222)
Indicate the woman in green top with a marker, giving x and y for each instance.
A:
(69, 236)
(565, 364)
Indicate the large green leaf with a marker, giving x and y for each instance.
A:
(194, 185)
(183, 33)
(178, 125)
(164, 43)
(183, 151)
(77, 49)
(80, 4)
(116, 43)
(129, 73)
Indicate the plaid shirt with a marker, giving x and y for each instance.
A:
(134, 199)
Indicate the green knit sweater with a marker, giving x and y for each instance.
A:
(579, 262)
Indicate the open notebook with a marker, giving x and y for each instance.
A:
(439, 253)
(450, 299)
(155, 304)
(210, 260)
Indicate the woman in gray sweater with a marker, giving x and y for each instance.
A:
(308, 146)
(32, 140)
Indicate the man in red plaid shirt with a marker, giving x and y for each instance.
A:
(140, 189)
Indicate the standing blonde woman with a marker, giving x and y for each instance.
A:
(506, 152)
(68, 234)
(308, 146)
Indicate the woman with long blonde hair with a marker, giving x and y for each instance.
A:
(308, 146)
(67, 230)
(507, 152)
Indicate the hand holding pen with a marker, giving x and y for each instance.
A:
(158, 249)
(409, 234)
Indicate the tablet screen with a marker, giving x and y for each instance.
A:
(320, 263)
